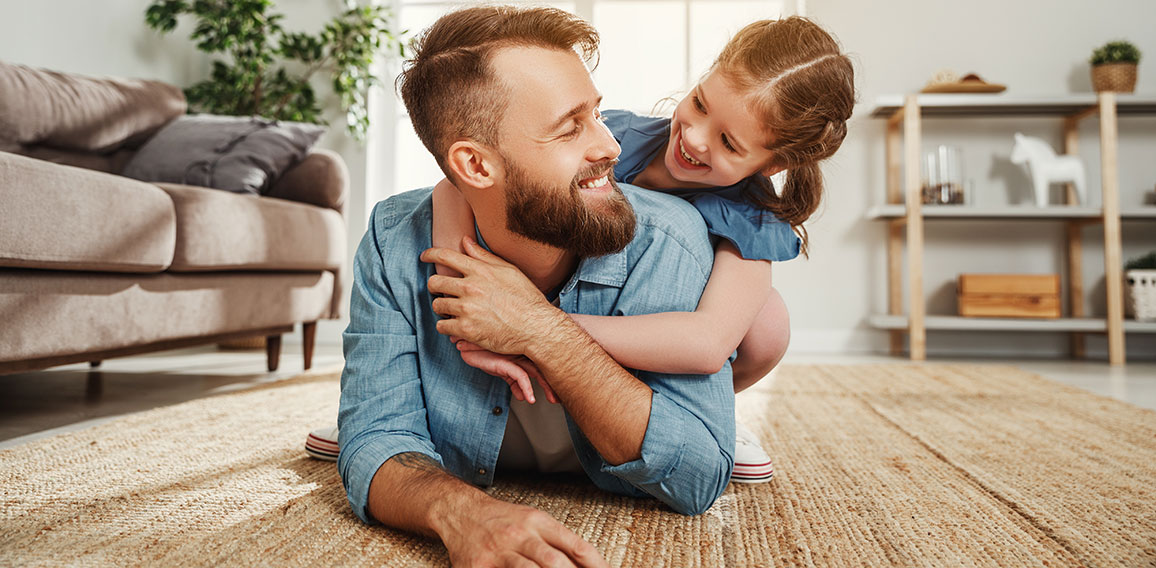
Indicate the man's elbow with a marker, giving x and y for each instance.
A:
(701, 498)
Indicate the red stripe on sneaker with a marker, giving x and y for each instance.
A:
(321, 443)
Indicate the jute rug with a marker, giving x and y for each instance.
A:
(933, 465)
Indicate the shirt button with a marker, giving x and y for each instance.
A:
(497, 411)
(481, 471)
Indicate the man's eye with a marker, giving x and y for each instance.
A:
(598, 114)
(576, 131)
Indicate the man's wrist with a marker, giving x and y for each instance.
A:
(445, 516)
(557, 332)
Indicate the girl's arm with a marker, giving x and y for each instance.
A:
(452, 220)
(697, 342)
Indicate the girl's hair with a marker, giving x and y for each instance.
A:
(802, 86)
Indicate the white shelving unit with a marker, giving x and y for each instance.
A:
(905, 214)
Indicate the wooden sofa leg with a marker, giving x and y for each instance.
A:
(94, 364)
(273, 351)
(309, 331)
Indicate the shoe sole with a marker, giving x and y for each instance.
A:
(753, 472)
(321, 448)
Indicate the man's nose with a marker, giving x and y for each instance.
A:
(605, 147)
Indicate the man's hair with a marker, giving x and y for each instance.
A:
(449, 86)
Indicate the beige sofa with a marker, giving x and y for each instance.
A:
(94, 265)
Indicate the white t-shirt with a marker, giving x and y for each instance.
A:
(536, 437)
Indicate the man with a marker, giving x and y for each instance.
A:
(503, 100)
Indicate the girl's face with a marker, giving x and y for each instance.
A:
(715, 140)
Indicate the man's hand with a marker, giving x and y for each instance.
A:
(504, 534)
(516, 370)
(493, 304)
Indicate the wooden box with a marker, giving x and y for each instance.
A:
(1009, 295)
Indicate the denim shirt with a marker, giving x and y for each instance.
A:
(405, 388)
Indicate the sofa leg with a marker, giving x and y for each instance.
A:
(309, 331)
(94, 364)
(273, 351)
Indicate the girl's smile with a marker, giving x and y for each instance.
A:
(715, 139)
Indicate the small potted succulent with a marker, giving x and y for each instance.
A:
(1114, 67)
(1140, 280)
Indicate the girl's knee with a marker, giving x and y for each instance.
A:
(765, 344)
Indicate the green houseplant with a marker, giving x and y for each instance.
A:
(1114, 67)
(266, 70)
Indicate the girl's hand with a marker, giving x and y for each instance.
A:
(517, 371)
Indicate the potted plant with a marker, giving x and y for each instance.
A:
(1140, 278)
(1114, 67)
(268, 69)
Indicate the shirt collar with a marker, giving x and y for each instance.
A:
(606, 270)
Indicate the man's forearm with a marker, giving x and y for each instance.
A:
(411, 491)
(610, 406)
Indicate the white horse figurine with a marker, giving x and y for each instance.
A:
(1047, 168)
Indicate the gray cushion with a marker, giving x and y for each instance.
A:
(239, 154)
(74, 112)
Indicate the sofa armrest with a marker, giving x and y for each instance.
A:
(320, 179)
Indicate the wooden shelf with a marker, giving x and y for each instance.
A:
(957, 323)
(905, 214)
(1016, 212)
(1003, 104)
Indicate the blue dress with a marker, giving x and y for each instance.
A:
(756, 233)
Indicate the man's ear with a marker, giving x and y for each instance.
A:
(472, 164)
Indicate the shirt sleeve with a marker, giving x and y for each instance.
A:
(382, 410)
(757, 234)
(688, 450)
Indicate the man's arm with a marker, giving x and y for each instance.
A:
(674, 443)
(388, 463)
(614, 416)
(411, 491)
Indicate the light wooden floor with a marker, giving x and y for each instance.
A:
(39, 404)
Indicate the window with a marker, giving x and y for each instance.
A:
(650, 50)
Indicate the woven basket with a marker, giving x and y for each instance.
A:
(1117, 77)
(1140, 295)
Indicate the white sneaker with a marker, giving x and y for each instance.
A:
(752, 464)
(322, 443)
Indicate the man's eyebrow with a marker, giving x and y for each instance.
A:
(580, 109)
(705, 106)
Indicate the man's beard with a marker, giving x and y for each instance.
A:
(563, 219)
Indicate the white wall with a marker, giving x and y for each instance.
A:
(1035, 47)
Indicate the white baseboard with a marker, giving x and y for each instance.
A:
(867, 341)
(328, 333)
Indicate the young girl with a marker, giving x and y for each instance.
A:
(777, 98)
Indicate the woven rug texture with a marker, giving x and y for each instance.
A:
(875, 465)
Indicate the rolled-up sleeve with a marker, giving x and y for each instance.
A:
(686, 456)
(688, 450)
(382, 410)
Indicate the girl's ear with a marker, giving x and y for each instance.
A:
(771, 170)
(471, 163)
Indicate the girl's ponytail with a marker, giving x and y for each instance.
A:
(796, 77)
(796, 201)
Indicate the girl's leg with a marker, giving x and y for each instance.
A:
(765, 343)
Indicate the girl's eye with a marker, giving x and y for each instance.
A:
(726, 142)
(698, 104)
